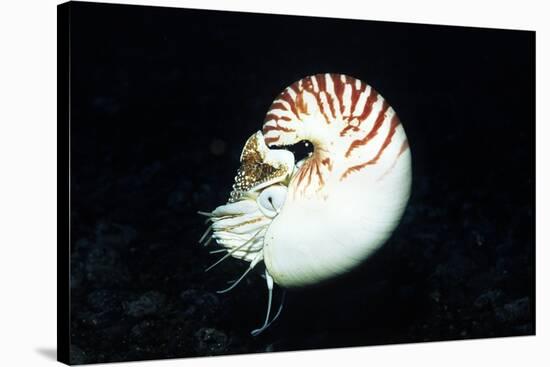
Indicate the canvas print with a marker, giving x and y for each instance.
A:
(236, 183)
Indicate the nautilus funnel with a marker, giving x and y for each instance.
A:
(322, 216)
(346, 199)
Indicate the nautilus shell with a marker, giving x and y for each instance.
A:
(318, 218)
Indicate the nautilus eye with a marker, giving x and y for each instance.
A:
(271, 200)
(319, 218)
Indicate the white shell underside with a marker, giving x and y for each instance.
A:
(341, 231)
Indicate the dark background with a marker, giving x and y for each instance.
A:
(162, 101)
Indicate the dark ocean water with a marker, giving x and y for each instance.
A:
(162, 103)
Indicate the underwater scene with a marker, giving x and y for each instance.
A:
(364, 182)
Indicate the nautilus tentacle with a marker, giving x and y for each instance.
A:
(324, 215)
(258, 194)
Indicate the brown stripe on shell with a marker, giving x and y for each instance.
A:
(372, 133)
(338, 90)
(295, 87)
(404, 147)
(355, 94)
(347, 128)
(270, 140)
(309, 88)
(373, 97)
(272, 116)
(285, 96)
(394, 124)
(309, 169)
(321, 83)
(301, 104)
(278, 106)
(276, 127)
(318, 171)
(328, 163)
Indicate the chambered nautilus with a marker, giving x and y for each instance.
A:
(318, 218)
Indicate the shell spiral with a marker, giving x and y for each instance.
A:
(347, 197)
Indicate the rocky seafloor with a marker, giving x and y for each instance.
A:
(139, 289)
(158, 123)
